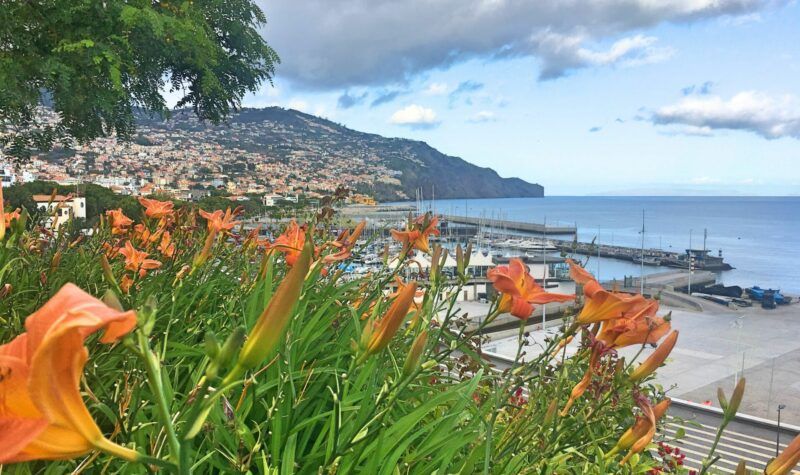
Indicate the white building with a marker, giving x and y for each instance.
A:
(7, 176)
(479, 265)
(60, 209)
(270, 200)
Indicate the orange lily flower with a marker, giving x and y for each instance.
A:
(641, 433)
(253, 239)
(141, 233)
(416, 233)
(377, 335)
(166, 247)
(787, 460)
(635, 327)
(219, 221)
(155, 208)
(119, 222)
(345, 244)
(42, 414)
(519, 290)
(136, 261)
(6, 217)
(110, 251)
(641, 426)
(291, 242)
(600, 304)
(656, 358)
(11, 216)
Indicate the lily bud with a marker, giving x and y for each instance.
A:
(108, 273)
(551, 412)
(110, 299)
(787, 460)
(661, 408)
(147, 315)
(231, 346)
(741, 469)
(437, 252)
(385, 254)
(212, 345)
(656, 358)
(460, 260)
(736, 400)
(412, 360)
(269, 328)
(619, 366)
(385, 329)
(55, 261)
(723, 401)
(221, 357)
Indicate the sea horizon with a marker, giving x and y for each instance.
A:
(756, 234)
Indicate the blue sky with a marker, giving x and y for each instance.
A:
(691, 97)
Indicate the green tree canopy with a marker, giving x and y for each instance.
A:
(96, 63)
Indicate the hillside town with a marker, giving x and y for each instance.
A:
(186, 159)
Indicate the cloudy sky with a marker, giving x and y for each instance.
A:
(582, 96)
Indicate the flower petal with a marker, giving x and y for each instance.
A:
(15, 434)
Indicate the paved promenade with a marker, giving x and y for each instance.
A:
(719, 345)
(715, 347)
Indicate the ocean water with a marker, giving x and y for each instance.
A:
(759, 236)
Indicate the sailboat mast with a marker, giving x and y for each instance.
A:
(433, 199)
(641, 271)
(598, 253)
(544, 275)
(705, 237)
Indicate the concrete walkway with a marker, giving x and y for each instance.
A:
(715, 347)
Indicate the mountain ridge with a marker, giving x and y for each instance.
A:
(415, 164)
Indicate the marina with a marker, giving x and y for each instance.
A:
(697, 270)
(510, 225)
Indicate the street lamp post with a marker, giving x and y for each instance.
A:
(778, 432)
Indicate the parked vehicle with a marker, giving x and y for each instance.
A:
(757, 293)
(768, 299)
(719, 289)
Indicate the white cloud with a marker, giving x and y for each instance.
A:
(436, 89)
(298, 104)
(690, 130)
(324, 112)
(704, 180)
(273, 91)
(415, 116)
(482, 116)
(327, 44)
(771, 117)
(561, 54)
(746, 19)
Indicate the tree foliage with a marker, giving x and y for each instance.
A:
(98, 63)
(98, 198)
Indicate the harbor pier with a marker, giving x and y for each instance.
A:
(511, 225)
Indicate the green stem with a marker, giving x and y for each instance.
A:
(154, 380)
(490, 430)
(710, 459)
